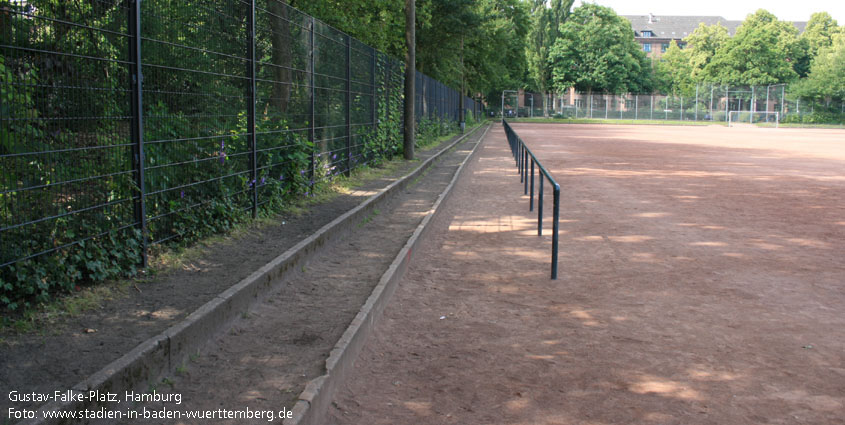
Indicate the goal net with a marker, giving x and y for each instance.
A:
(756, 117)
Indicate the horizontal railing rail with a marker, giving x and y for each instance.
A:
(527, 162)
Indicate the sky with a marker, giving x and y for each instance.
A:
(729, 9)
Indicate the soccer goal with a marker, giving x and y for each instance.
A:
(756, 117)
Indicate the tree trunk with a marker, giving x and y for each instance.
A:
(281, 54)
(410, 77)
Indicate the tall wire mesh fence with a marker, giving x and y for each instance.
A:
(706, 102)
(126, 123)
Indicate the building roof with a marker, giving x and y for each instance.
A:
(678, 27)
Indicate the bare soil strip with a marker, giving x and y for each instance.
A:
(701, 283)
(264, 360)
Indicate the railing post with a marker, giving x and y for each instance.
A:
(540, 207)
(137, 130)
(531, 201)
(250, 120)
(525, 168)
(348, 105)
(555, 230)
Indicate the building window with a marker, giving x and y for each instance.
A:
(646, 47)
(648, 34)
(664, 47)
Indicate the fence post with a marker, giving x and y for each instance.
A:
(250, 120)
(712, 118)
(695, 105)
(636, 107)
(312, 104)
(753, 105)
(606, 106)
(623, 105)
(651, 117)
(682, 108)
(137, 130)
(348, 105)
(373, 104)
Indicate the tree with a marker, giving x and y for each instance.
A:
(596, 51)
(378, 23)
(674, 71)
(762, 52)
(546, 19)
(826, 80)
(819, 32)
(702, 45)
(495, 51)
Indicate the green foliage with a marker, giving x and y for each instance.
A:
(702, 45)
(495, 52)
(429, 131)
(819, 32)
(762, 52)
(674, 71)
(378, 23)
(596, 51)
(826, 81)
(112, 255)
(545, 30)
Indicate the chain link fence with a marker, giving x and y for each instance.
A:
(125, 124)
(706, 102)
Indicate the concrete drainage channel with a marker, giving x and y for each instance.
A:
(315, 399)
(160, 355)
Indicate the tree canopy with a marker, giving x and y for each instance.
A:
(596, 51)
(546, 20)
(543, 45)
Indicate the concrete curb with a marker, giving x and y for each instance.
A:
(315, 400)
(160, 355)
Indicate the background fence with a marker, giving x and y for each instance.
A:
(126, 123)
(707, 102)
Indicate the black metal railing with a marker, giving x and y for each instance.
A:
(526, 162)
(144, 121)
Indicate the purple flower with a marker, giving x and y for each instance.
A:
(334, 156)
(306, 193)
(301, 172)
(281, 178)
(263, 180)
(311, 183)
(182, 194)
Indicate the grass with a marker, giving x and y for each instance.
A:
(369, 218)
(801, 125)
(613, 121)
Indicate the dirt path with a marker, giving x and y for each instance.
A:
(63, 355)
(265, 359)
(700, 284)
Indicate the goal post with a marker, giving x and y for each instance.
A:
(756, 117)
